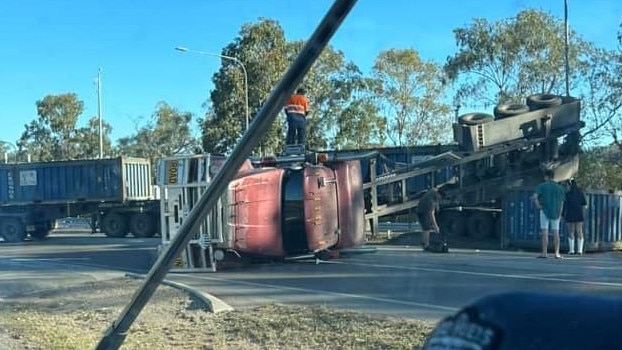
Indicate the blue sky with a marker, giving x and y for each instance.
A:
(51, 47)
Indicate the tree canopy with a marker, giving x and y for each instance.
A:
(506, 60)
(55, 134)
(166, 133)
(411, 95)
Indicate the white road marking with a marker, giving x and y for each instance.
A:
(484, 274)
(48, 259)
(462, 253)
(324, 292)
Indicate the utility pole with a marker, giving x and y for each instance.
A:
(99, 113)
(566, 48)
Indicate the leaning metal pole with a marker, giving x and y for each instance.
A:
(117, 332)
(99, 113)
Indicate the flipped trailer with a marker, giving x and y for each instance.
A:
(491, 155)
(118, 191)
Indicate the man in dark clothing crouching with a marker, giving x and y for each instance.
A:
(429, 204)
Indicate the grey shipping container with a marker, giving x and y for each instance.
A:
(602, 227)
(112, 179)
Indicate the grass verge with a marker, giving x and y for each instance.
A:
(75, 318)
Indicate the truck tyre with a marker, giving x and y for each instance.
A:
(12, 230)
(142, 225)
(480, 225)
(540, 101)
(114, 225)
(475, 118)
(509, 110)
(451, 223)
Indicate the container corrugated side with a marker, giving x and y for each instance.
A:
(66, 181)
(137, 179)
(602, 226)
(7, 183)
(603, 218)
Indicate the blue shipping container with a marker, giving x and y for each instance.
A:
(602, 227)
(115, 179)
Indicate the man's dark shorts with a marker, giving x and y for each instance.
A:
(425, 220)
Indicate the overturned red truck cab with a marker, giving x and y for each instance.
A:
(275, 208)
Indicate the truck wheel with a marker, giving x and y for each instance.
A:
(480, 225)
(540, 101)
(451, 223)
(509, 110)
(142, 225)
(12, 230)
(114, 225)
(475, 118)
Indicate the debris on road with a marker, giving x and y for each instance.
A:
(76, 317)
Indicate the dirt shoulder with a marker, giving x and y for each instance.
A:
(75, 318)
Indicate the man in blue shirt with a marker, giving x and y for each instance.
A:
(549, 199)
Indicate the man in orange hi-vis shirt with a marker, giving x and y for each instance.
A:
(296, 109)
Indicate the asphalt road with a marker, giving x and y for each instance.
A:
(396, 281)
(130, 254)
(411, 283)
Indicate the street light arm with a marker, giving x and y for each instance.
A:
(185, 49)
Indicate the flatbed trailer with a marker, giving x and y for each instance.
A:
(489, 159)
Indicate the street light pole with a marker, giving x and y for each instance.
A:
(99, 113)
(6, 152)
(185, 49)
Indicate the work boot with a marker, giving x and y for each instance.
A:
(580, 246)
(570, 245)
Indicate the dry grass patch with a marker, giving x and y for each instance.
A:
(76, 317)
